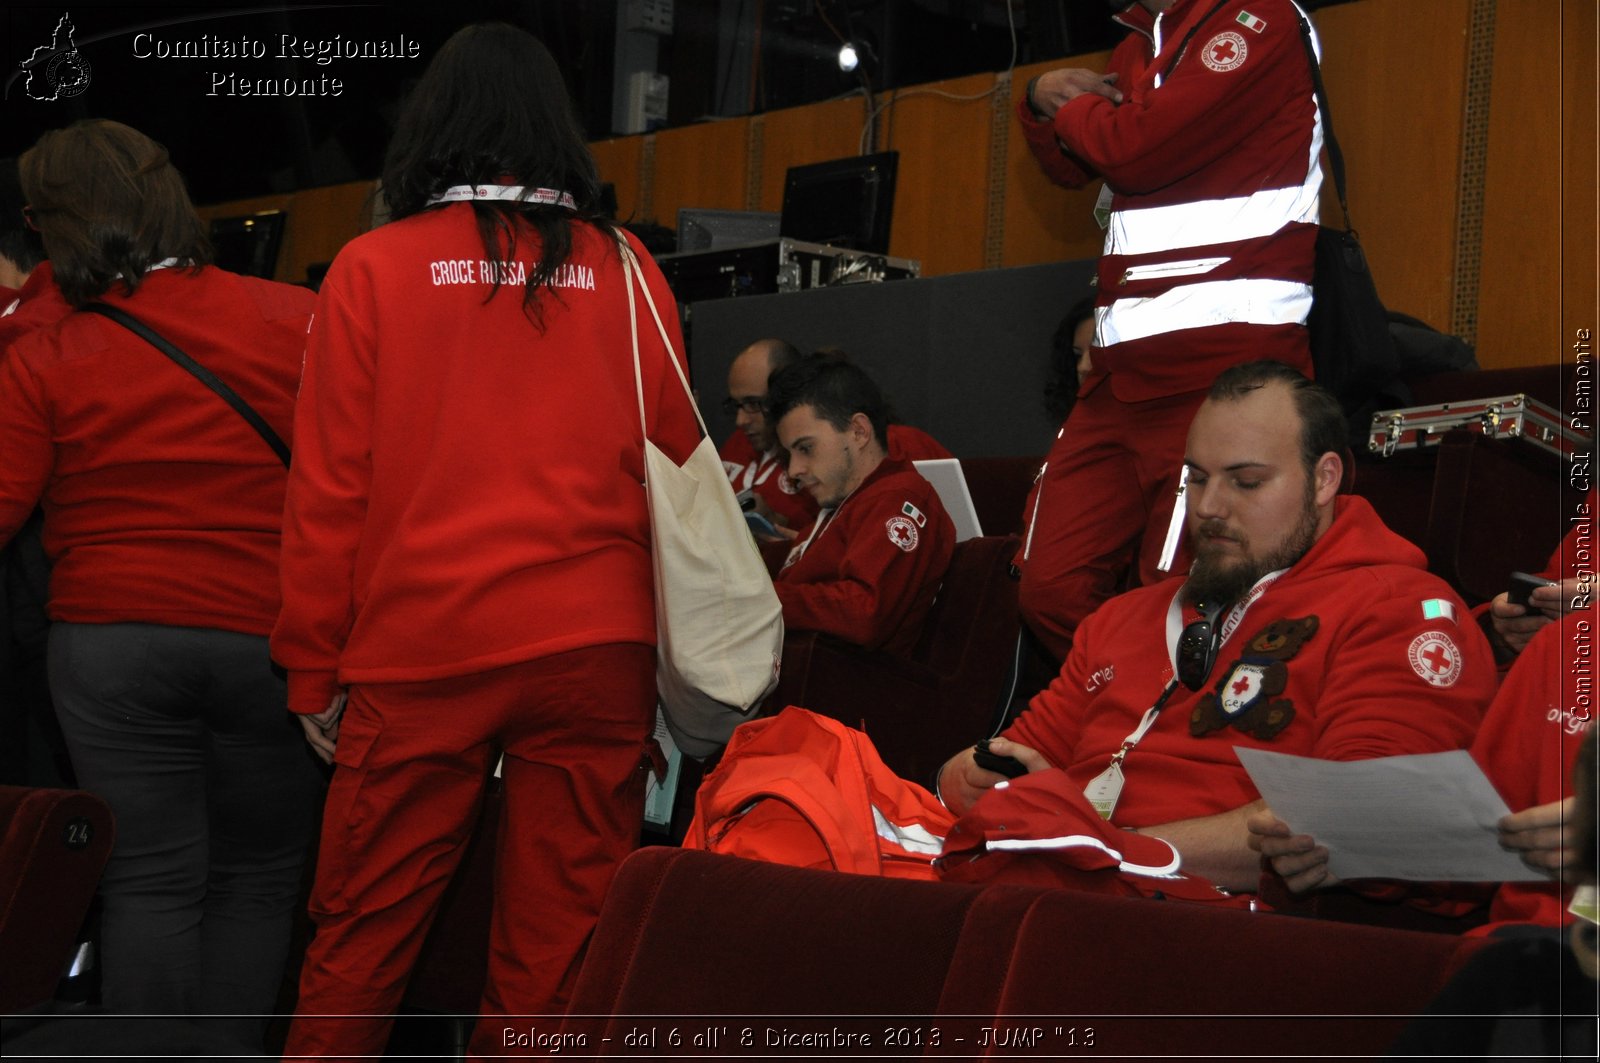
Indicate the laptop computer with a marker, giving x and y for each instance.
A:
(947, 478)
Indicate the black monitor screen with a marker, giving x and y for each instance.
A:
(712, 230)
(845, 202)
(249, 244)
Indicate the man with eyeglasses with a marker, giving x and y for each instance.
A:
(1305, 626)
(751, 455)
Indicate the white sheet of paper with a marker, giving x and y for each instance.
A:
(1429, 817)
(659, 795)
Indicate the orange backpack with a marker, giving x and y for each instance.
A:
(804, 790)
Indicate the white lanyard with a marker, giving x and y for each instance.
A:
(1155, 39)
(1104, 789)
(766, 464)
(166, 263)
(1234, 618)
(517, 193)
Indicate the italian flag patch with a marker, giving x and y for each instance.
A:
(1438, 609)
(1250, 22)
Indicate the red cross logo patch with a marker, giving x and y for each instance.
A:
(1242, 688)
(1224, 52)
(1435, 658)
(902, 532)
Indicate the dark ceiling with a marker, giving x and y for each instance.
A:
(231, 145)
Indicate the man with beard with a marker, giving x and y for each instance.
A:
(1305, 626)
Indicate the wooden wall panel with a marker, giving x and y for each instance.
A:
(1044, 222)
(320, 221)
(1397, 110)
(941, 196)
(700, 166)
(620, 161)
(799, 135)
(1580, 236)
(1518, 312)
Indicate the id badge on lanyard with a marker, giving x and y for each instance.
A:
(1105, 789)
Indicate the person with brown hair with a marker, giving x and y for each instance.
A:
(162, 514)
(467, 565)
(1305, 626)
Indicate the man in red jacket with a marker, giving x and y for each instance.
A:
(1528, 746)
(1305, 626)
(869, 566)
(1205, 133)
(751, 455)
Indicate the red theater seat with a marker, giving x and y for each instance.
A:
(950, 692)
(55, 845)
(696, 944)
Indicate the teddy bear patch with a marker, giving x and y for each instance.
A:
(1247, 697)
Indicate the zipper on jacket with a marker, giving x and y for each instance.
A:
(1186, 268)
(1033, 518)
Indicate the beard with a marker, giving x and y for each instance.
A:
(1217, 580)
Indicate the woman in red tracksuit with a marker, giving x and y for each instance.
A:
(466, 562)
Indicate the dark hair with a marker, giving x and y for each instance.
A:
(836, 390)
(1322, 424)
(1061, 379)
(18, 243)
(839, 354)
(492, 106)
(110, 205)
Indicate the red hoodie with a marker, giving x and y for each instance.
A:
(1386, 672)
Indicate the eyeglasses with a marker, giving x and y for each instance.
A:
(1197, 652)
(753, 404)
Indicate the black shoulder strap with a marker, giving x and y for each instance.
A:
(1335, 156)
(205, 376)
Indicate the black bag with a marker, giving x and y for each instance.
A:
(1352, 353)
(1351, 350)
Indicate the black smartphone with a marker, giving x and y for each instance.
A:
(1010, 767)
(1523, 585)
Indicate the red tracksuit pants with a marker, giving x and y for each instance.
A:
(1100, 508)
(412, 760)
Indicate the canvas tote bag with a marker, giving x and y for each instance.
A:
(719, 627)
